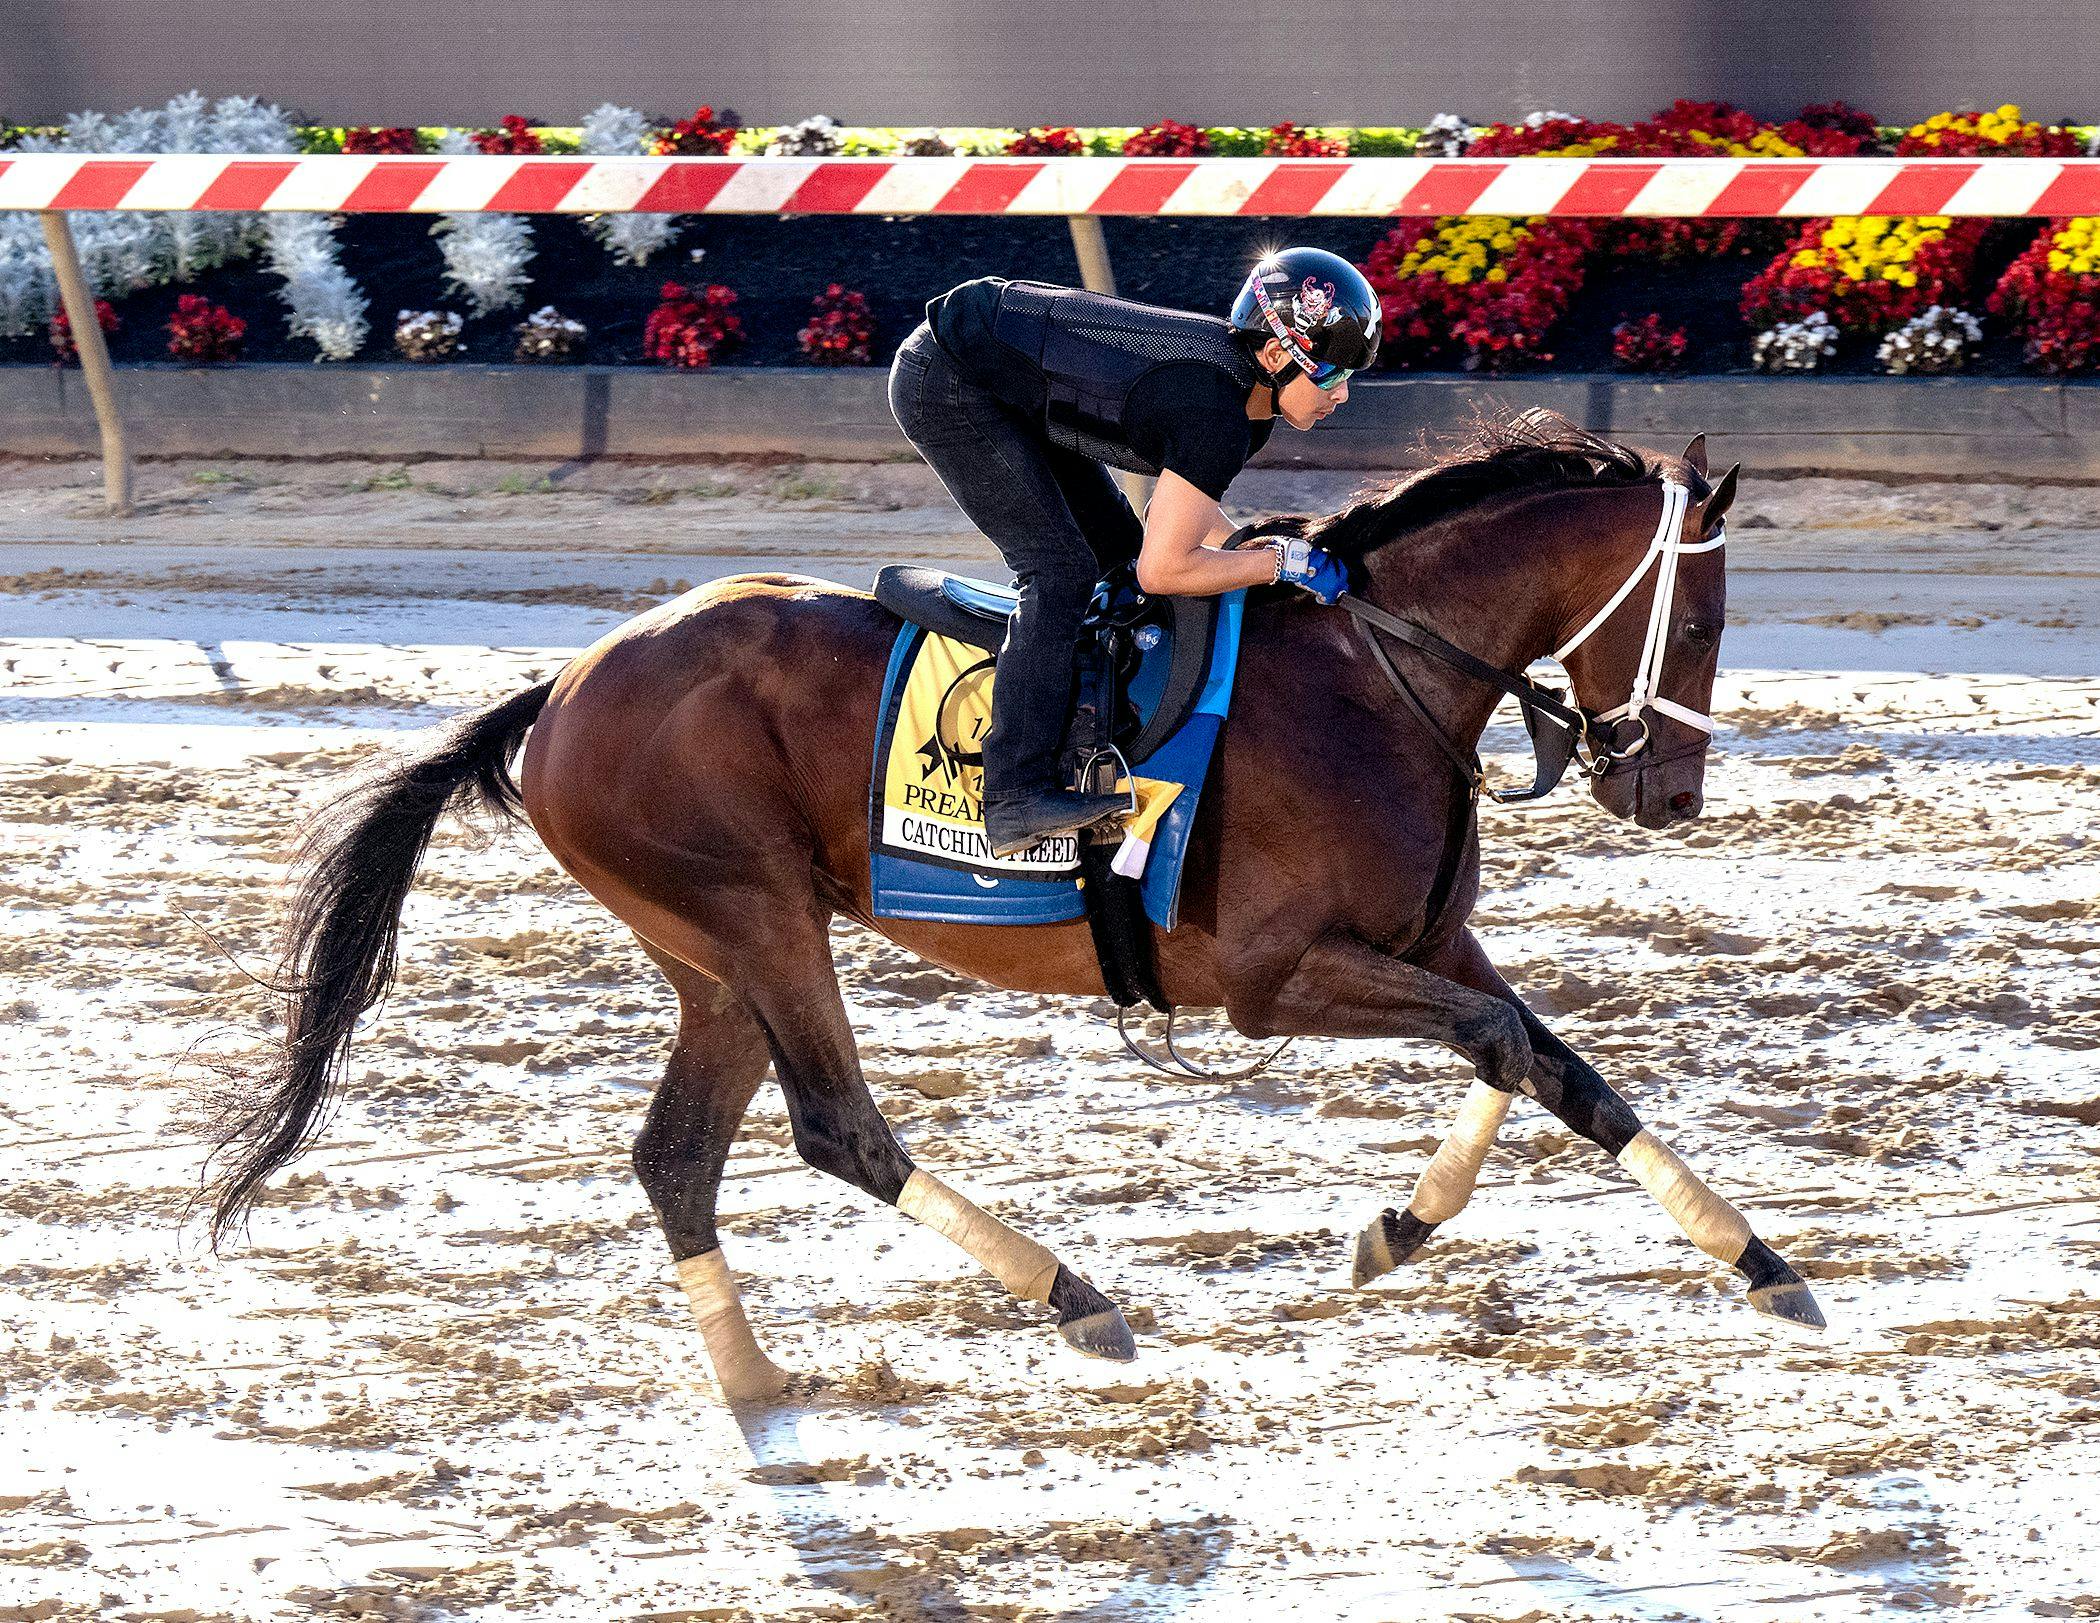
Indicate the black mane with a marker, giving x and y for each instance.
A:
(1505, 452)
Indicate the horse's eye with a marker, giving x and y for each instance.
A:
(1699, 633)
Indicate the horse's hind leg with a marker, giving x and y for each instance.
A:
(718, 1062)
(839, 1130)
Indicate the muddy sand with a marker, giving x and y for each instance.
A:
(450, 1374)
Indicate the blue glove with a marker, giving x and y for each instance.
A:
(1321, 573)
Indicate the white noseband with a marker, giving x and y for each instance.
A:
(1668, 546)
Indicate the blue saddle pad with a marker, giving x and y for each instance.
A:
(928, 857)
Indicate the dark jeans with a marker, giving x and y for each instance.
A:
(1058, 519)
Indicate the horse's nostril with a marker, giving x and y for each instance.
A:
(1685, 803)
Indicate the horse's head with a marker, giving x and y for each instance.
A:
(1649, 667)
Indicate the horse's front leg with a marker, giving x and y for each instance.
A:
(1568, 1086)
(1345, 988)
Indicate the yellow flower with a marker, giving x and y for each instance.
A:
(1498, 274)
(1907, 279)
(2059, 260)
(1457, 278)
(2010, 110)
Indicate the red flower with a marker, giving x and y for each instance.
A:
(702, 135)
(512, 137)
(1478, 323)
(1647, 346)
(62, 330)
(1045, 141)
(1784, 291)
(1286, 140)
(2055, 312)
(201, 331)
(1167, 139)
(392, 139)
(685, 331)
(839, 330)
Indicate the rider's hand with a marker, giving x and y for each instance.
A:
(1300, 563)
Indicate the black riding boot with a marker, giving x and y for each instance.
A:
(1024, 801)
(1014, 825)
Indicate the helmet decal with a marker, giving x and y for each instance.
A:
(1317, 306)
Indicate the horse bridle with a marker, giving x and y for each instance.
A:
(1560, 732)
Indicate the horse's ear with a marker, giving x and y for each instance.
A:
(1717, 504)
(1695, 454)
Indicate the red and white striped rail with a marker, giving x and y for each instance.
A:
(1704, 188)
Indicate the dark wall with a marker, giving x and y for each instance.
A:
(1018, 62)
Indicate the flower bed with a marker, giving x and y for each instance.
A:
(1465, 293)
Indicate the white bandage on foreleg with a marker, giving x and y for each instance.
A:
(1447, 1182)
(1013, 1259)
(740, 1366)
(1715, 1227)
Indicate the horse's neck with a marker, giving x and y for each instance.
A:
(1499, 590)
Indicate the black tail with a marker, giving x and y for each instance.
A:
(359, 858)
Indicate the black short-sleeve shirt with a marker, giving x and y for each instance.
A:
(1182, 415)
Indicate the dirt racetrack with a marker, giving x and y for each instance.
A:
(451, 1375)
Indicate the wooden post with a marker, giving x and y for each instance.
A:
(94, 359)
(1091, 246)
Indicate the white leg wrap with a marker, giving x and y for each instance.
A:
(1715, 1227)
(1447, 1182)
(742, 1370)
(1013, 1259)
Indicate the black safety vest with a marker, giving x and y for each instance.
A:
(1090, 350)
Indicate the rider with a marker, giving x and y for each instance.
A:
(1017, 393)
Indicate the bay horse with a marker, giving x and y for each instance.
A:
(703, 771)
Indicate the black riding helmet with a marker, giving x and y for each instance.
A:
(1318, 306)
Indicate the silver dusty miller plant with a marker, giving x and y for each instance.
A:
(1934, 340)
(1795, 346)
(122, 252)
(485, 254)
(621, 132)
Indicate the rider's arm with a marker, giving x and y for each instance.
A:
(1184, 534)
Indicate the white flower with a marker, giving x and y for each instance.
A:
(816, 137)
(1935, 340)
(1795, 346)
(1446, 136)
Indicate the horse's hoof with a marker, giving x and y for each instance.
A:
(1775, 1289)
(1790, 1302)
(1101, 1335)
(1393, 1238)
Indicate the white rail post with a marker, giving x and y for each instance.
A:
(1091, 246)
(94, 359)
